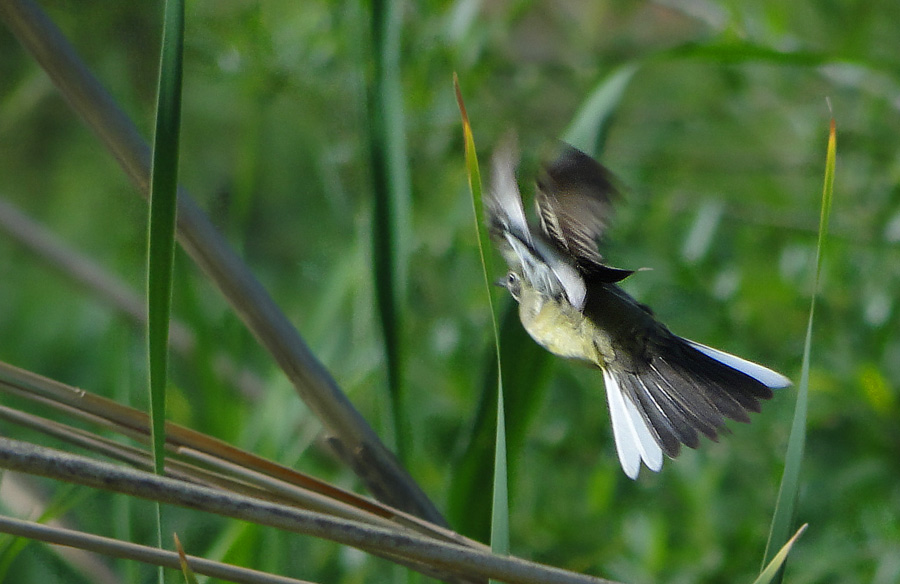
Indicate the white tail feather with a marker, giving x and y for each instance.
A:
(634, 442)
(651, 453)
(764, 375)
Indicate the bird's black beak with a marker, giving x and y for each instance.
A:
(501, 282)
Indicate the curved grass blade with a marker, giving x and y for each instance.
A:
(62, 502)
(532, 363)
(526, 367)
(790, 482)
(742, 52)
(500, 500)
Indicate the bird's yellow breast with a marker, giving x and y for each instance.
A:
(562, 330)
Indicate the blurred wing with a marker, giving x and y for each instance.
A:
(574, 203)
(504, 203)
(544, 267)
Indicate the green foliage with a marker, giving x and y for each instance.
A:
(276, 148)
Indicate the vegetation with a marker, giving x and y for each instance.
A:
(719, 134)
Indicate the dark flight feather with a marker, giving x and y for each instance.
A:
(681, 392)
(574, 202)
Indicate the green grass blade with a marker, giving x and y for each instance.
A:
(500, 506)
(500, 500)
(163, 198)
(790, 482)
(10, 547)
(526, 367)
(774, 567)
(391, 186)
(474, 175)
(163, 205)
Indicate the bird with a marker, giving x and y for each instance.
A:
(663, 391)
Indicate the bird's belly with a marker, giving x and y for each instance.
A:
(566, 333)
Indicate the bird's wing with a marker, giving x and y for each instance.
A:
(574, 201)
(545, 267)
(503, 202)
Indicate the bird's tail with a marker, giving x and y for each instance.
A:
(685, 389)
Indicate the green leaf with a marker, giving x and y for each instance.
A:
(163, 205)
(163, 212)
(500, 506)
(526, 367)
(790, 482)
(391, 214)
(500, 500)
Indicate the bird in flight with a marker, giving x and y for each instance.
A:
(663, 390)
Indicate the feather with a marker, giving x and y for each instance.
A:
(764, 375)
(503, 201)
(683, 389)
(634, 440)
(540, 263)
(574, 203)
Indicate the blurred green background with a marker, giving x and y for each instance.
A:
(720, 136)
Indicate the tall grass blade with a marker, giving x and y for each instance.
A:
(790, 482)
(500, 500)
(500, 506)
(526, 367)
(161, 253)
(163, 198)
(390, 176)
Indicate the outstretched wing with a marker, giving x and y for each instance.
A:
(574, 201)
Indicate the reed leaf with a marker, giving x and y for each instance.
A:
(790, 482)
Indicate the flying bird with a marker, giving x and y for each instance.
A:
(663, 390)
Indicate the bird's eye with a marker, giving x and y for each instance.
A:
(513, 284)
